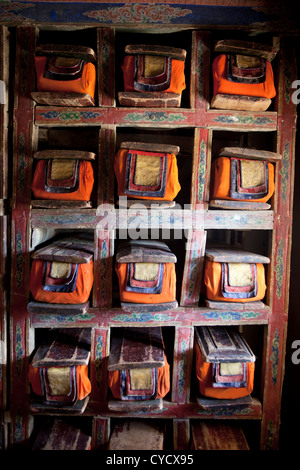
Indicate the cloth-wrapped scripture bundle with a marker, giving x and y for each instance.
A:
(234, 275)
(224, 363)
(147, 174)
(239, 179)
(243, 75)
(58, 372)
(154, 73)
(62, 272)
(65, 69)
(63, 175)
(224, 80)
(140, 384)
(138, 369)
(146, 273)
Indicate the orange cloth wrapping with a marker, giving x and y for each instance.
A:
(81, 293)
(85, 84)
(177, 83)
(204, 375)
(213, 283)
(172, 185)
(221, 174)
(167, 294)
(83, 381)
(83, 193)
(163, 381)
(265, 89)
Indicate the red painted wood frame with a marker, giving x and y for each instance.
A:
(101, 316)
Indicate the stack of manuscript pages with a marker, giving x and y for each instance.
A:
(147, 172)
(242, 179)
(137, 435)
(243, 76)
(62, 274)
(215, 435)
(233, 276)
(61, 434)
(224, 365)
(153, 76)
(139, 373)
(58, 372)
(146, 275)
(65, 75)
(63, 179)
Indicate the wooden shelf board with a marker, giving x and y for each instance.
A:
(177, 218)
(162, 117)
(172, 411)
(182, 316)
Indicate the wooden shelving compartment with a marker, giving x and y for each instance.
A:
(199, 131)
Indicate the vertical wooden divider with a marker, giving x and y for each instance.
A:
(182, 364)
(100, 432)
(181, 434)
(275, 337)
(104, 235)
(106, 66)
(193, 268)
(200, 70)
(4, 109)
(24, 141)
(4, 226)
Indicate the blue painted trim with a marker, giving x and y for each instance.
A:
(128, 13)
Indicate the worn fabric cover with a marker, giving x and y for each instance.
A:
(82, 381)
(58, 189)
(223, 179)
(221, 84)
(140, 294)
(59, 291)
(83, 80)
(130, 167)
(133, 81)
(160, 391)
(216, 285)
(204, 373)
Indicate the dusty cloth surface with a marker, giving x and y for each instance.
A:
(141, 379)
(62, 169)
(147, 170)
(60, 270)
(247, 61)
(252, 173)
(59, 380)
(240, 274)
(231, 368)
(154, 65)
(146, 271)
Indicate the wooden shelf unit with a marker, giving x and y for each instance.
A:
(107, 120)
